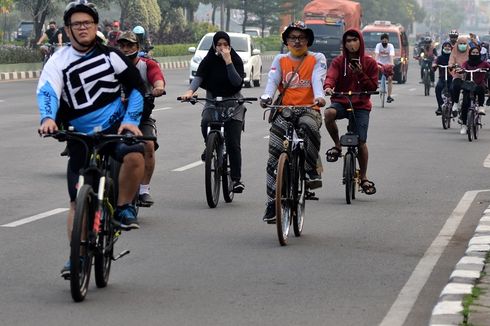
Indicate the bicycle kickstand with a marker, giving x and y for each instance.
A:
(121, 255)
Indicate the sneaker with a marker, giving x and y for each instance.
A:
(238, 187)
(145, 200)
(270, 213)
(314, 180)
(438, 111)
(65, 271)
(125, 216)
(463, 130)
(389, 99)
(481, 110)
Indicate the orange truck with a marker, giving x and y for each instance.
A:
(329, 19)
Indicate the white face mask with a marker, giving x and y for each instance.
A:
(446, 51)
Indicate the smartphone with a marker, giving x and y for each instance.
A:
(355, 61)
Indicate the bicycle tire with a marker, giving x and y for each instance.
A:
(299, 197)
(348, 176)
(283, 199)
(426, 83)
(446, 116)
(383, 91)
(470, 121)
(105, 239)
(228, 193)
(212, 169)
(355, 178)
(476, 126)
(81, 254)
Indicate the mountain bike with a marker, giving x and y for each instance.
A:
(473, 119)
(291, 189)
(447, 103)
(216, 163)
(94, 229)
(350, 173)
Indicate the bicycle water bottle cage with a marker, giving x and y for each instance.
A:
(349, 140)
(469, 86)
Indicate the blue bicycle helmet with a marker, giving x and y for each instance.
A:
(139, 30)
(80, 6)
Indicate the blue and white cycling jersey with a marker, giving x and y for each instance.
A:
(87, 88)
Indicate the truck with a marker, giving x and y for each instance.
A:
(329, 19)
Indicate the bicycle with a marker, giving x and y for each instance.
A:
(426, 66)
(447, 103)
(473, 119)
(216, 164)
(351, 175)
(291, 189)
(94, 230)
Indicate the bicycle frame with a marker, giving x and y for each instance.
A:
(473, 120)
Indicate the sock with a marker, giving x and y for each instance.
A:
(144, 189)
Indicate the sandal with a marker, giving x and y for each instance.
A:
(368, 187)
(333, 154)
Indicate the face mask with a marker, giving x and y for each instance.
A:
(384, 44)
(298, 52)
(462, 47)
(131, 56)
(52, 28)
(474, 57)
(446, 51)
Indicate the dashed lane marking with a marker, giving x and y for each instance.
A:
(34, 218)
(188, 166)
(486, 162)
(163, 109)
(412, 89)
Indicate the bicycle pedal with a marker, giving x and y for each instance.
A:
(310, 196)
(121, 255)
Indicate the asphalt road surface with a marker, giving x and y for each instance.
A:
(382, 260)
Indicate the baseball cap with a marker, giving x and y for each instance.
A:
(128, 37)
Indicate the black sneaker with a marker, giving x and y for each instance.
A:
(125, 217)
(389, 99)
(270, 213)
(145, 200)
(238, 187)
(438, 111)
(314, 180)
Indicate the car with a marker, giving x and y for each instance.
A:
(25, 30)
(243, 45)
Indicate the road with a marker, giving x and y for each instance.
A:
(382, 260)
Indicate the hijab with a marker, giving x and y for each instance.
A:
(458, 57)
(213, 69)
(474, 59)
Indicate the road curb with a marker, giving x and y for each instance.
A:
(467, 272)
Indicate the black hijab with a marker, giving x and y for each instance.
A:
(213, 69)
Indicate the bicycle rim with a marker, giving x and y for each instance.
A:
(470, 121)
(299, 192)
(105, 239)
(283, 200)
(212, 170)
(476, 126)
(81, 255)
(445, 116)
(348, 177)
(228, 193)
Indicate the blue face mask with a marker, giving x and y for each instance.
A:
(462, 47)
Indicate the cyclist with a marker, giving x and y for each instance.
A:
(154, 87)
(144, 42)
(50, 36)
(114, 34)
(83, 84)
(453, 37)
(459, 55)
(221, 74)
(384, 54)
(443, 60)
(430, 53)
(304, 72)
(474, 62)
(353, 70)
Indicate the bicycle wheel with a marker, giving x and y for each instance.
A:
(299, 197)
(212, 169)
(383, 91)
(470, 124)
(105, 237)
(355, 178)
(476, 125)
(283, 199)
(81, 255)
(228, 193)
(348, 176)
(426, 82)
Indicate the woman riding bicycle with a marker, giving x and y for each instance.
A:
(303, 72)
(442, 60)
(459, 55)
(474, 62)
(221, 74)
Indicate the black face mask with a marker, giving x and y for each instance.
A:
(474, 59)
(131, 56)
(385, 44)
(52, 28)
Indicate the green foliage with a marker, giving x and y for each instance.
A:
(190, 33)
(169, 50)
(405, 12)
(271, 43)
(18, 54)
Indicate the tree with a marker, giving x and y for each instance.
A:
(38, 10)
(403, 12)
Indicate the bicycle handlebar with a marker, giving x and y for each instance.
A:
(193, 100)
(350, 93)
(129, 139)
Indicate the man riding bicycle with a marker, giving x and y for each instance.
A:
(299, 76)
(82, 87)
(443, 60)
(353, 71)
(384, 53)
(50, 36)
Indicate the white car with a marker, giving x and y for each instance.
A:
(243, 45)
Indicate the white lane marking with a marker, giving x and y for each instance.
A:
(486, 162)
(408, 295)
(188, 166)
(267, 137)
(411, 89)
(163, 109)
(2, 101)
(34, 218)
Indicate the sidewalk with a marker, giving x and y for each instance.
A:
(471, 274)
